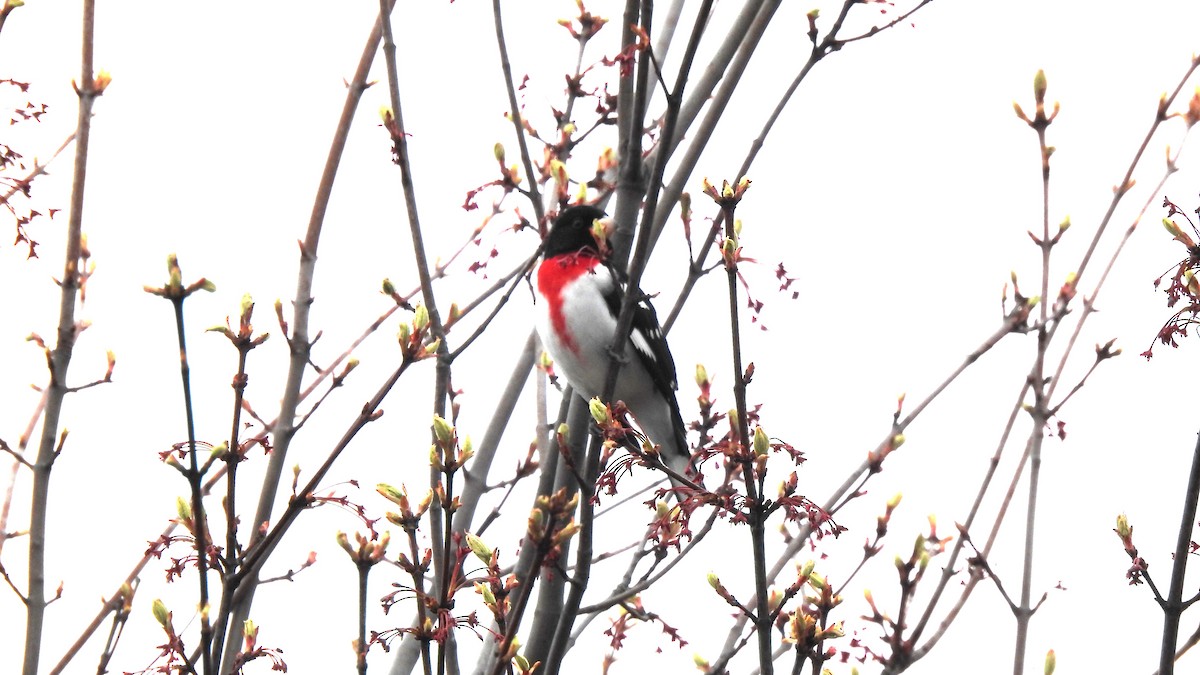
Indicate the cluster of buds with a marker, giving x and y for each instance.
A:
(1183, 283)
(243, 338)
(521, 665)
(1106, 351)
(1040, 119)
(368, 551)
(588, 24)
(557, 171)
(252, 650)
(1022, 306)
(606, 167)
(446, 454)
(510, 175)
(408, 518)
(173, 650)
(728, 196)
(551, 522)
(669, 526)
(803, 630)
(705, 385)
(708, 419)
(762, 451)
(414, 337)
(493, 590)
(611, 423)
(174, 289)
(911, 570)
(1138, 569)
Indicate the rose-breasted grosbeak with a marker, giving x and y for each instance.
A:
(578, 300)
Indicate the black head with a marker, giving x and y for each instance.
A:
(572, 231)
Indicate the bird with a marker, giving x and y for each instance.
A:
(578, 300)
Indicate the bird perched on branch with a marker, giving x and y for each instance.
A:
(579, 298)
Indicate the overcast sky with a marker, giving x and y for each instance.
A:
(897, 188)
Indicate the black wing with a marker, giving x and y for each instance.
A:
(648, 339)
(651, 346)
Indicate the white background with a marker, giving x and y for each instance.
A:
(898, 187)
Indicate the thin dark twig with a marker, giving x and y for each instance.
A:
(194, 477)
(515, 115)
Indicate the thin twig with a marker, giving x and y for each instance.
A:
(88, 89)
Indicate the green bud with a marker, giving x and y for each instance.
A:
(480, 549)
(391, 494)
(1123, 528)
(599, 411)
(919, 544)
(183, 508)
(442, 430)
(762, 444)
(486, 591)
(161, 614)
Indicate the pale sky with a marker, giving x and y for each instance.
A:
(897, 187)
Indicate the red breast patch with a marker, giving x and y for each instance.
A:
(553, 276)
